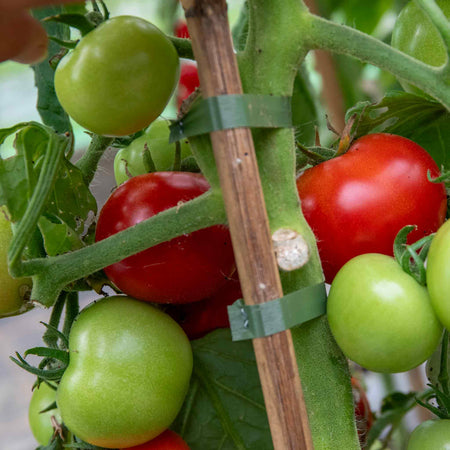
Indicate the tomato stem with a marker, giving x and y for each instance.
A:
(52, 274)
(89, 161)
(324, 34)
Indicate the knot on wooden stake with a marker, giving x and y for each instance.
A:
(291, 249)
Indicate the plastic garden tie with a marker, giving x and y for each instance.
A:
(233, 111)
(265, 319)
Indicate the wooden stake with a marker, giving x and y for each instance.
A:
(244, 202)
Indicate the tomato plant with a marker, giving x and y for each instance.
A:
(48, 192)
(415, 34)
(168, 440)
(129, 161)
(125, 61)
(186, 269)
(380, 316)
(14, 291)
(358, 202)
(40, 422)
(129, 371)
(438, 273)
(430, 435)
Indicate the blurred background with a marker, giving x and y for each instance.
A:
(338, 82)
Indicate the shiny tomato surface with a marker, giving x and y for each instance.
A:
(186, 269)
(358, 202)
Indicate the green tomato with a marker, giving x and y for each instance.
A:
(14, 291)
(415, 35)
(40, 423)
(380, 316)
(438, 274)
(129, 371)
(129, 161)
(119, 78)
(431, 435)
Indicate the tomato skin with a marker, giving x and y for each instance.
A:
(189, 81)
(358, 202)
(431, 435)
(186, 269)
(200, 318)
(415, 35)
(129, 371)
(119, 78)
(14, 291)
(380, 316)
(181, 29)
(40, 423)
(165, 441)
(129, 160)
(438, 273)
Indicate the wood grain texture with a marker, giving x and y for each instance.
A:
(258, 272)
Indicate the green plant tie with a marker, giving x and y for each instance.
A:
(265, 319)
(233, 111)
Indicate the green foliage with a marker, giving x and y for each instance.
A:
(418, 118)
(70, 204)
(48, 105)
(224, 407)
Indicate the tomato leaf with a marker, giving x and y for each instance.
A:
(48, 106)
(70, 207)
(224, 407)
(415, 117)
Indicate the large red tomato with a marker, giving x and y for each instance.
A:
(358, 202)
(185, 269)
(165, 441)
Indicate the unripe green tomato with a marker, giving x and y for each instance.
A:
(438, 274)
(40, 423)
(380, 316)
(13, 291)
(415, 35)
(129, 371)
(431, 435)
(119, 78)
(129, 161)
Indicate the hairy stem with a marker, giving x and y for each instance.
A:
(27, 225)
(52, 274)
(324, 34)
(89, 161)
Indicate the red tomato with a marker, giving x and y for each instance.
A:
(186, 269)
(165, 441)
(180, 29)
(188, 81)
(363, 414)
(200, 318)
(358, 202)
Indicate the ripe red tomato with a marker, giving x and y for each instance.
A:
(363, 413)
(165, 441)
(188, 81)
(358, 202)
(186, 269)
(180, 29)
(200, 318)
